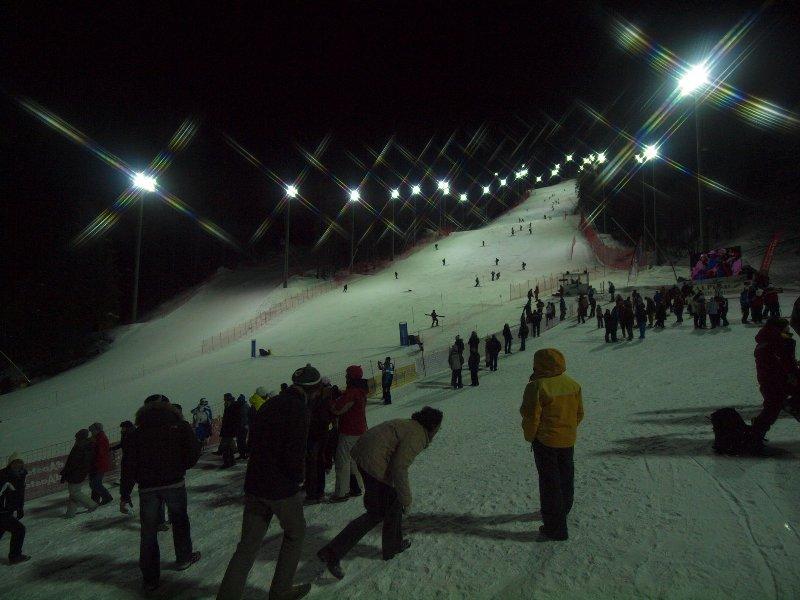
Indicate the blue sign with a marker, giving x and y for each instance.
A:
(404, 334)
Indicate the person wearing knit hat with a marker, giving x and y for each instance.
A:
(75, 472)
(275, 471)
(12, 501)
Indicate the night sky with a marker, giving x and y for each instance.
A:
(290, 74)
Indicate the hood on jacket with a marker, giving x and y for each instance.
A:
(548, 362)
(354, 372)
(772, 332)
(155, 414)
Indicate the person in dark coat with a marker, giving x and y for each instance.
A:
(157, 455)
(474, 363)
(772, 304)
(229, 430)
(75, 472)
(678, 305)
(610, 319)
(661, 315)
(12, 507)
(626, 319)
(319, 430)
(508, 338)
(459, 343)
(244, 425)
(473, 342)
(640, 313)
(650, 307)
(777, 371)
(757, 306)
(387, 376)
(611, 290)
(744, 303)
(536, 323)
(101, 464)
(272, 487)
(522, 333)
(562, 308)
(487, 344)
(494, 348)
(599, 315)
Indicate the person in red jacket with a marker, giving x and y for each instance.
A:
(777, 370)
(101, 464)
(351, 409)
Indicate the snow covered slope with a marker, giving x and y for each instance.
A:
(657, 514)
(332, 331)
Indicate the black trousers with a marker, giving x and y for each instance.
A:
(556, 487)
(536, 329)
(455, 378)
(473, 374)
(493, 362)
(241, 442)
(9, 523)
(507, 345)
(315, 468)
(745, 313)
(382, 505)
(679, 315)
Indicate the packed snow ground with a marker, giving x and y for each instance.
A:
(657, 514)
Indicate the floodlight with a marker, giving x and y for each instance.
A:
(463, 197)
(568, 158)
(502, 182)
(694, 78)
(601, 157)
(291, 191)
(354, 196)
(415, 190)
(650, 152)
(538, 179)
(486, 189)
(144, 182)
(395, 194)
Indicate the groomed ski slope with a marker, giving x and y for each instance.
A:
(332, 331)
(657, 514)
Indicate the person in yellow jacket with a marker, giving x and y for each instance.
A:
(551, 410)
(258, 398)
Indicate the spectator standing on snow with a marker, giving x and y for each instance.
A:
(460, 345)
(640, 313)
(536, 292)
(552, 409)
(12, 507)
(507, 338)
(610, 319)
(319, 436)
(244, 425)
(473, 342)
(384, 455)
(272, 487)
(101, 464)
(159, 452)
(723, 310)
(713, 312)
(772, 306)
(493, 352)
(456, 362)
(678, 304)
(562, 306)
(583, 308)
(661, 315)
(599, 318)
(777, 371)
(522, 333)
(650, 306)
(702, 310)
(474, 363)
(229, 429)
(350, 407)
(201, 421)
(757, 306)
(536, 322)
(627, 319)
(75, 472)
(487, 344)
(592, 303)
(387, 376)
(611, 290)
(744, 303)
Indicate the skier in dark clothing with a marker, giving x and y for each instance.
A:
(12, 507)
(523, 266)
(497, 260)
(387, 376)
(493, 351)
(477, 282)
(497, 276)
(492, 275)
(395, 274)
(159, 452)
(610, 319)
(443, 263)
(523, 333)
(778, 373)
(536, 323)
(229, 429)
(272, 485)
(434, 318)
(474, 363)
(508, 338)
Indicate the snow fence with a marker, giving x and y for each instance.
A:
(615, 258)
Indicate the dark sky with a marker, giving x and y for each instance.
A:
(292, 73)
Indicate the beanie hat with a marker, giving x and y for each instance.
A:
(156, 398)
(126, 425)
(262, 391)
(306, 376)
(82, 434)
(354, 372)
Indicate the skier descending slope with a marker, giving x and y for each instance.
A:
(551, 410)
(384, 455)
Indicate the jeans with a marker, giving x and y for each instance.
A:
(556, 487)
(345, 465)
(455, 378)
(382, 505)
(17, 530)
(149, 509)
(76, 496)
(99, 492)
(536, 329)
(255, 522)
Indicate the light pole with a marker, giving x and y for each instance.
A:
(463, 200)
(691, 81)
(416, 190)
(144, 183)
(444, 187)
(291, 192)
(395, 196)
(354, 198)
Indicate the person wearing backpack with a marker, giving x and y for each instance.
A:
(777, 371)
(552, 409)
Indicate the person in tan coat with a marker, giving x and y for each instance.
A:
(383, 455)
(552, 408)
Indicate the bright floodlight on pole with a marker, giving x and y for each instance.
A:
(554, 173)
(639, 158)
(395, 194)
(486, 189)
(291, 191)
(650, 152)
(144, 182)
(463, 197)
(538, 179)
(568, 158)
(354, 196)
(502, 183)
(416, 190)
(601, 157)
(695, 78)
